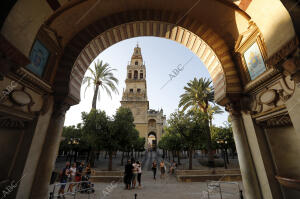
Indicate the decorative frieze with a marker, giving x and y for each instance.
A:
(284, 52)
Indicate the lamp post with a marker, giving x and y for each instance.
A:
(72, 142)
(222, 143)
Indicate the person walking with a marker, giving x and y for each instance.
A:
(72, 177)
(139, 177)
(154, 168)
(162, 169)
(64, 179)
(128, 174)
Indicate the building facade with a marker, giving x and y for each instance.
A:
(148, 122)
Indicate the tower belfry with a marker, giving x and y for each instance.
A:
(135, 94)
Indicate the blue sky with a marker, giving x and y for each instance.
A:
(161, 57)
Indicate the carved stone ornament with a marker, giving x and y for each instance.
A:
(11, 123)
(20, 97)
(284, 52)
(277, 121)
(291, 66)
(60, 109)
(269, 97)
(234, 108)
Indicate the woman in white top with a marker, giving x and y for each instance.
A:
(72, 176)
(139, 167)
(134, 174)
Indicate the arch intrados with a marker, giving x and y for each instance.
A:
(152, 133)
(91, 41)
(217, 61)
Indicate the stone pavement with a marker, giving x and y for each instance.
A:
(167, 188)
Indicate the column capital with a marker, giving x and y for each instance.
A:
(60, 109)
(234, 108)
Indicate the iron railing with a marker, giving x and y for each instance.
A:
(78, 188)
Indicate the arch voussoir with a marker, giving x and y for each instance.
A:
(197, 37)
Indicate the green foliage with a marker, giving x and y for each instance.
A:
(70, 133)
(111, 134)
(124, 128)
(198, 93)
(101, 77)
(197, 96)
(224, 133)
(171, 141)
(96, 129)
(185, 131)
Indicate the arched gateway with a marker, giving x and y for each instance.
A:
(249, 48)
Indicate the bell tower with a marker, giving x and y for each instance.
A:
(135, 93)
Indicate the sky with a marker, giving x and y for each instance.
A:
(161, 57)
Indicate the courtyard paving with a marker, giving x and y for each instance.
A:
(167, 188)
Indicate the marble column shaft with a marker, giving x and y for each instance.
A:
(249, 176)
(48, 155)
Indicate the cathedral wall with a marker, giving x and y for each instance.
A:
(143, 129)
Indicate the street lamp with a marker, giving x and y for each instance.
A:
(223, 144)
(72, 142)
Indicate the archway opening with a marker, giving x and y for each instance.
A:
(152, 141)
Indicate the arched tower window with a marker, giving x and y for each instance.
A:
(129, 75)
(141, 74)
(136, 63)
(152, 123)
(135, 75)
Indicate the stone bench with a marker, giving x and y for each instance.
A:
(204, 175)
(106, 176)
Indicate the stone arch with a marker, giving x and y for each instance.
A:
(213, 52)
(141, 74)
(152, 123)
(152, 133)
(198, 37)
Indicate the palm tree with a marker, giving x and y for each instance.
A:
(103, 77)
(197, 95)
(213, 110)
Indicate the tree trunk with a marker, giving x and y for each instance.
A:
(173, 155)
(178, 157)
(95, 97)
(110, 160)
(122, 159)
(190, 159)
(211, 162)
(75, 156)
(92, 159)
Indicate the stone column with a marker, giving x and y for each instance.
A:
(48, 155)
(248, 171)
